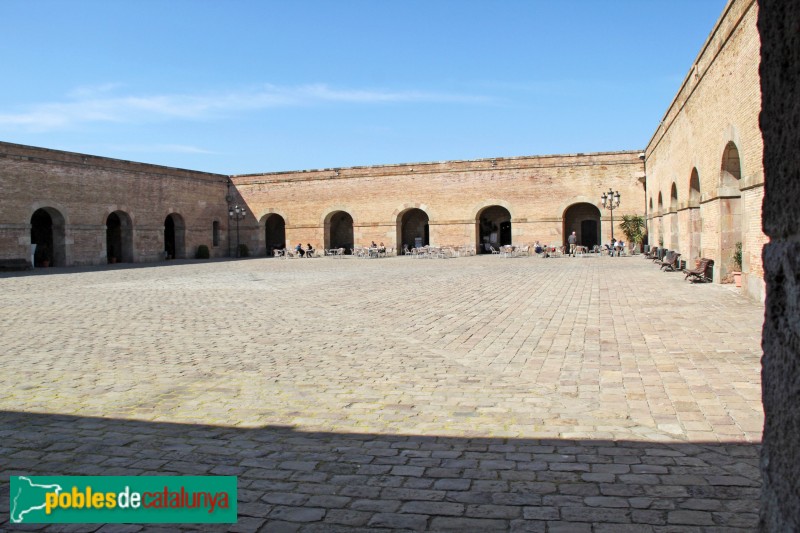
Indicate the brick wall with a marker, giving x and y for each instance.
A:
(84, 190)
(536, 191)
(718, 103)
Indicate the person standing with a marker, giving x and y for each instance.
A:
(573, 243)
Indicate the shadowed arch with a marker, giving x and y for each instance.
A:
(584, 219)
(492, 228)
(730, 209)
(412, 228)
(339, 230)
(48, 233)
(174, 236)
(119, 237)
(274, 232)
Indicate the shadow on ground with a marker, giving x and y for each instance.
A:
(313, 481)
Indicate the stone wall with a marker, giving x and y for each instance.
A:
(79, 192)
(779, 25)
(536, 191)
(717, 104)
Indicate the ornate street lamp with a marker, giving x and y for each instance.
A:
(237, 213)
(611, 201)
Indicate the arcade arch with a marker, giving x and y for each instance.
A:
(493, 228)
(730, 211)
(584, 219)
(674, 229)
(48, 233)
(119, 237)
(274, 233)
(695, 222)
(412, 228)
(339, 231)
(174, 236)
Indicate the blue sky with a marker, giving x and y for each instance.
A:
(240, 86)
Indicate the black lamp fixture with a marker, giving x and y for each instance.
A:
(610, 201)
(237, 213)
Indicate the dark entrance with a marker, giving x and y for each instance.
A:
(274, 233)
(413, 225)
(339, 231)
(119, 238)
(174, 240)
(494, 228)
(589, 233)
(47, 233)
(584, 220)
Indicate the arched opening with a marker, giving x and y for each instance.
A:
(119, 238)
(494, 228)
(215, 233)
(174, 237)
(694, 187)
(49, 235)
(730, 209)
(660, 220)
(339, 231)
(412, 229)
(674, 228)
(695, 222)
(584, 219)
(274, 233)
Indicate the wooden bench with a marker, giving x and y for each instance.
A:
(14, 265)
(700, 272)
(670, 262)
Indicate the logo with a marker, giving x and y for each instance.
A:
(122, 499)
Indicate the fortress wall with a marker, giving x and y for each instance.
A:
(86, 189)
(535, 190)
(718, 103)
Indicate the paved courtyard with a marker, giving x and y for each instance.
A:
(471, 394)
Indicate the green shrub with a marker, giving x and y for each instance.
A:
(737, 257)
(202, 252)
(244, 251)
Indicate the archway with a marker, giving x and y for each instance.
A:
(274, 233)
(339, 231)
(695, 222)
(494, 228)
(119, 238)
(174, 237)
(730, 209)
(412, 228)
(660, 220)
(584, 219)
(49, 235)
(674, 228)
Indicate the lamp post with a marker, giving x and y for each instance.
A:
(237, 213)
(610, 201)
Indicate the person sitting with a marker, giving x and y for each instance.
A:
(620, 247)
(299, 249)
(382, 249)
(310, 250)
(373, 245)
(537, 247)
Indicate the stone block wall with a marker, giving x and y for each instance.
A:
(779, 26)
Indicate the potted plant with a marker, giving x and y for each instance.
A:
(633, 228)
(737, 264)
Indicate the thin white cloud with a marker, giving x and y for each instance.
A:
(97, 104)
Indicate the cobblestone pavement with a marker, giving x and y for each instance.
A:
(470, 394)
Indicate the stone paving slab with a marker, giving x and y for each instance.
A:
(466, 394)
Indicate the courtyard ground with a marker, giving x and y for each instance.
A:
(481, 393)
